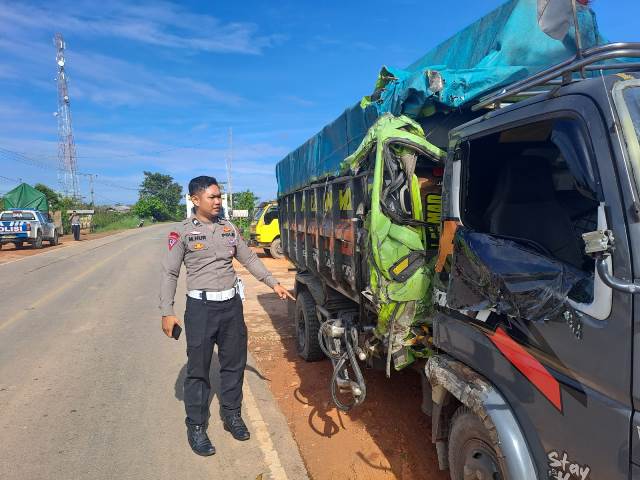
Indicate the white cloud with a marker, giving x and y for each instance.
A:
(159, 23)
(299, 101)
(110, 81)
(98, 79)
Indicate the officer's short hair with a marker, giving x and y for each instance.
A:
(196, 185)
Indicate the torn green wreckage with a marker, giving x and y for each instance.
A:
(400, 271)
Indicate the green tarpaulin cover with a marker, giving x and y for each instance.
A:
(25, 196)
(502, 47)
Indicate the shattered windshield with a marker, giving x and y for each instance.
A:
(627, 96)
(632, 96)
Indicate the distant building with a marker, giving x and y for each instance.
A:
(120, 208)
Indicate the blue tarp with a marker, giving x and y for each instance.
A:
(504, 46)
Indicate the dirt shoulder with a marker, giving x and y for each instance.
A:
(9, 252)
(388, 437)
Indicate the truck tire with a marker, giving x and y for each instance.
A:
(307, 326)
(38, 242)
(276, 249)
(267, 251)
(472, 452)
(54, 241)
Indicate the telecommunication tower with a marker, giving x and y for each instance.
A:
(67, 159)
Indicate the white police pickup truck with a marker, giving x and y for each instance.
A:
(20, 226)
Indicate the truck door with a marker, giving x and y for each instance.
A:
(626, 95)
(524, 306)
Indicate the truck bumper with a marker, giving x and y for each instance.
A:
(254, 242)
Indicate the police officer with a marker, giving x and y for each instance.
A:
(74, 218)
(207, 244)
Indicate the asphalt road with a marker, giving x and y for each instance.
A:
(90, 388)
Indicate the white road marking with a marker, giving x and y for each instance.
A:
(261, 433)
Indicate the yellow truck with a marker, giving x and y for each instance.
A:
(265, 229)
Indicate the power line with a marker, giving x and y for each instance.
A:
(110, 200)
(129, 155)
(11, 155)
(107, 183)
(10, 179)
(6, 154)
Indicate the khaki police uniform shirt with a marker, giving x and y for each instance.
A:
(207, 250)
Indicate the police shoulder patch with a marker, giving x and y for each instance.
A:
(173, 239)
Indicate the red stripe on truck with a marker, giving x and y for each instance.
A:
(529, 366)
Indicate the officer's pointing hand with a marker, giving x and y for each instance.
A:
(168, 322)
(283, 293)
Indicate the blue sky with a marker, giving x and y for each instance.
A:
(157, 85)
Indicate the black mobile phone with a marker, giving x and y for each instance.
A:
(177, 330)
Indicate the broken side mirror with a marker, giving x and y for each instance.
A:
(600, 244)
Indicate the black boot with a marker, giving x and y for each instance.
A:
(233, 423)
(199, 440)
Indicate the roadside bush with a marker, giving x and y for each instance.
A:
(118, 221)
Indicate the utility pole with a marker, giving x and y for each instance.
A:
(229, 161)
(67, 159)
(91, 175)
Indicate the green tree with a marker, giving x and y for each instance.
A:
(245, 200)
(152, 207)
(163, 188)
(160, 197)
(53, 198)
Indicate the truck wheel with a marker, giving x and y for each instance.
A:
(276, 249)
(267, 251)
(307, 326)
(472, 452)
(54, 241)
(38, 242)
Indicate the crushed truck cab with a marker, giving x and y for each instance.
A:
(484, 227)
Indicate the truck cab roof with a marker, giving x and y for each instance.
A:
(582, 75)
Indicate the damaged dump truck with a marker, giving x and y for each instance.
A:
(478, 216)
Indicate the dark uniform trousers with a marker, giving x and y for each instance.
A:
(208, 323)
